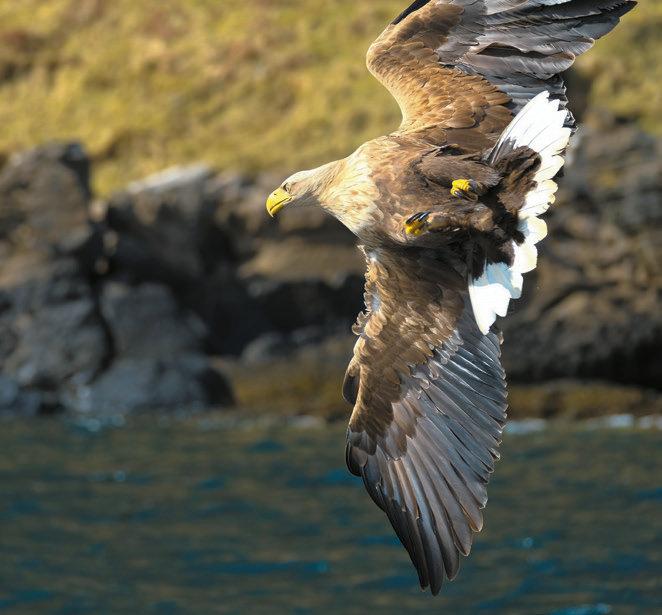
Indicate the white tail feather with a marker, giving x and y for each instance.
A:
(540, 126)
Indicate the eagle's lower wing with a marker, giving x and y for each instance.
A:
(429, 401)
(454, 65)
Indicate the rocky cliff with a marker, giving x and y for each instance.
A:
(179, 289)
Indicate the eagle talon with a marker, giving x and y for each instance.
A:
(416, 224)
(465, 188)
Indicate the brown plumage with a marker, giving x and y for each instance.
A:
(445, 257)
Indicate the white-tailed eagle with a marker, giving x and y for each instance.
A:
(446, 210)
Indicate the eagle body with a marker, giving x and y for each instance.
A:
(402, 176)
(447, 212)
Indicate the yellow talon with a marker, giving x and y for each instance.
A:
(417, 224)
(414, 229)
(464, 188)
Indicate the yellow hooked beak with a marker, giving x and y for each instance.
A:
(277, 200)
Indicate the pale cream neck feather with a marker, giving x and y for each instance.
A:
(352, 197)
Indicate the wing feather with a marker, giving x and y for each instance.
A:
(454, 65)
(426, 382)
(424, 433)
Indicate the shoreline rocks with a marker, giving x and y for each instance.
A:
(125, 305)
(78, 332)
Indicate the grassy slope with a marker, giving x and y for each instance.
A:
(266, 84)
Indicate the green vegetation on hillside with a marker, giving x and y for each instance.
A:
(266, 84)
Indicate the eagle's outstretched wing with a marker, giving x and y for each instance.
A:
(425, 380)
(429, 401)
(459, 69)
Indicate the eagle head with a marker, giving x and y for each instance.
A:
(302, 188)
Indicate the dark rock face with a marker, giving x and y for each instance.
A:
(158, 358)
(291, 305)
(208, 238)
(29, 185)
(145, 321)
(71, 335)
(15, 401)
(232, 316)
(276, 345)
(186, 382)
(162, 228)
(591, 309)
(121, 306)
(50, 329)
(60, 343)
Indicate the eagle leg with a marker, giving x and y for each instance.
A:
(428, 221)
(467, 189)
(479, 218)
(417, 224)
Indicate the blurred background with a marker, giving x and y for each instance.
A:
(171, 425)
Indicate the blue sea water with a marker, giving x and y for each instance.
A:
(196, 516)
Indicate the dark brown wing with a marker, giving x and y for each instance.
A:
(429, 404)
(454, 65)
